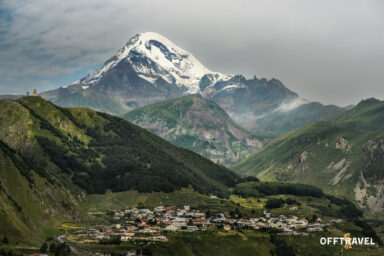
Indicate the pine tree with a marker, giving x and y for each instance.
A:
(5, 240)
(43, 248)
(52, 247)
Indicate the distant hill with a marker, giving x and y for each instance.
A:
(10, 96)
(199, 124)
(281, 121)
(344, 156)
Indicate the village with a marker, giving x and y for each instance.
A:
(145, 225)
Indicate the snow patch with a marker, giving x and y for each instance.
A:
(148, 78)
(233, 86)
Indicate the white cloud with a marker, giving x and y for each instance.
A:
(288, 106)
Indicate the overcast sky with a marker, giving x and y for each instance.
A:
(331, 51)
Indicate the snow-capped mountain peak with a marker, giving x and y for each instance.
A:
(153, 56)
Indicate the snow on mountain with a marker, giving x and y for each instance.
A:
(153, 56)
(149, 68)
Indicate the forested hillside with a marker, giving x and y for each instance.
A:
(96, 151)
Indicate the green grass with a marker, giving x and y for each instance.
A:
(197, 124)
(280, 159)
(179, 198)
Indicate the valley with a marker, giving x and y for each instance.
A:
(73, 168)
(185, 221)
(155, 154)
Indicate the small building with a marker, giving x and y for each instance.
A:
(192, 228)
(227, 227)
(172, 228)
(131, 253)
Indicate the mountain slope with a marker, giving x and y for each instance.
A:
(198, 124)
(10, 96)
(344, 156)
(282, 120)
(29, 201)
(150, 69)
(96, 151)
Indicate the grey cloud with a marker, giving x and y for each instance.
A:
(330, 51)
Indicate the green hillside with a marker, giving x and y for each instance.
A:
(198, 124)
(280, 122)
(58, 165)
(30, 203)
(343, 156)
(96, 151)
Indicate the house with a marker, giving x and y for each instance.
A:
(192, 228)
(262, 224)
(255, 227)
(131, 253)
(301, 224)
(197, 221)
(277, 224)
(126, 237)
(179, 221)
(101, 237)
(287, 231)
(159, 208)
(92, 231)
(160, 238)
(172, 228)
(266, 214)
(227, 227)
(314, 229)
(291, 220)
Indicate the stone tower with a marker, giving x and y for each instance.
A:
(27, 93)
(34, 93)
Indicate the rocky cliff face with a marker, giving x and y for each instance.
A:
(198, 124)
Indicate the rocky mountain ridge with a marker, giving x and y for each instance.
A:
(198, 124)
(151, 69)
